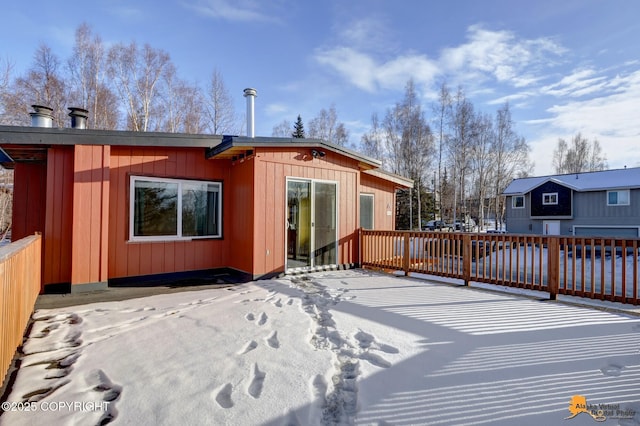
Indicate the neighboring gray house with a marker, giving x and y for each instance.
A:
(605, 203)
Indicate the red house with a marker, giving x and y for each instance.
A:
(116, 205)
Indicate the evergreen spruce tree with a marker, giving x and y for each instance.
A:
(298, 128)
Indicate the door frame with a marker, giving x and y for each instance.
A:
(547, 224)
(312, 247)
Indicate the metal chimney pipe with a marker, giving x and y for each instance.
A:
(78, 117)
(250, 94)
(42, 116)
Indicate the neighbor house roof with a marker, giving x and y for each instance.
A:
(588, 181)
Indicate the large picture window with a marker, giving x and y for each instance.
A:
(169, 209)
(618, 198)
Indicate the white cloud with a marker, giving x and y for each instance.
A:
(276, 109)
(579, 83)
(510, 98)
(358, 68)
(126, 12)
(233, 10)
(611, 118)
(601, 114)
(369, 34)
(497, 55)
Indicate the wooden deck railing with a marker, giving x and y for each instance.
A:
(598, 268)
(19, 287)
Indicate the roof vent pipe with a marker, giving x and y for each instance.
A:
(41, 116)
(250, 94)
(78, 117)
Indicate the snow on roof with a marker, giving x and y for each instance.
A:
(588, 181)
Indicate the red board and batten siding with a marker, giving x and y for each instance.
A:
(58, 216)
(29, 191)
(238, 222)
(144, 258)
(384, 201)
(272, 168)
(90, 211)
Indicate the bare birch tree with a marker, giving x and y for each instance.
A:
(372, 143)
(182, 106)
(579, 156)
(6, 202)
(325, 126)
(6, 69)
(442, 110)
(510, 154)
(341, 135)
(462, 124)
(136, 74)
(86, 81)
(410, 145)
(282, 130)
(482, 165)
(43, 84)
(221, 115)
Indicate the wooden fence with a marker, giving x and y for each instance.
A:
(597, 268)
(20, 269)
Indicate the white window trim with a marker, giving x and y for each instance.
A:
(620, 204)
(513, 201)
(178, 237)
(550, 195)
(373, 208)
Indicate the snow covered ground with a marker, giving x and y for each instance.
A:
(328, 348)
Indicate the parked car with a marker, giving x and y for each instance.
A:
(467, 226)
(433, 225)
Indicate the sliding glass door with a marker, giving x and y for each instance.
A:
(311, 223)
(298, 224)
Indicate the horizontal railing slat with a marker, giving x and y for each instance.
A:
(592, 267)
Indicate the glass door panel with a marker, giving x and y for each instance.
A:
(298, 224)
(324, 224)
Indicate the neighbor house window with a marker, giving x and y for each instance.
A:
(618, 198)
(517, 202)
(169, 209)
(366, 211)
(550, 198)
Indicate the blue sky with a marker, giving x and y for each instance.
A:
(564, 66)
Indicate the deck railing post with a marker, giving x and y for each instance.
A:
(359, 256)
(466, 258)
(553, 266)
(406, 258)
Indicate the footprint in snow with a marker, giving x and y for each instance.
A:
(223, 396)
(319, 387)
(374, 359)
(262, 319)
(272, 340)
(249, 317)
(364, 339)
(257, 382)
(248, 347)
(278, 303)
